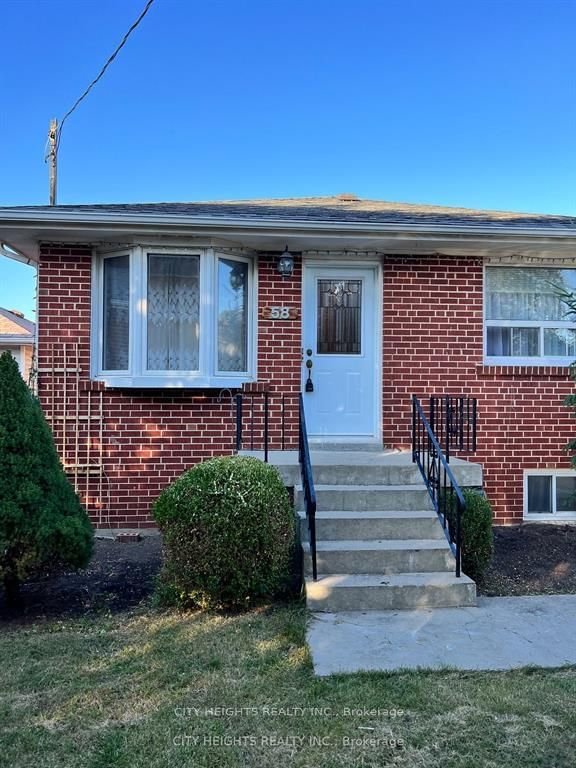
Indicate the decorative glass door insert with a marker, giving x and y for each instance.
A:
(339, 323)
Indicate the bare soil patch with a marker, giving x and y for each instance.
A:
(532, 559)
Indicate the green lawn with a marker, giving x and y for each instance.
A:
(143, 689)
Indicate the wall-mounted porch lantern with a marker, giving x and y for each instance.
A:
(286, 264)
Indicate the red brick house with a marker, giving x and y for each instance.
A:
(152, 316)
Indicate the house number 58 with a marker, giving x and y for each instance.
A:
(280, 313)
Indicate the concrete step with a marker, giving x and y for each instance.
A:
(388, 524)
(367, 497)
(382, 557)
(361, 467)
(318, 444)
(405, 591)
(366, 474)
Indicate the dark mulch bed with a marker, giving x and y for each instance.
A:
(529, 559)
(532, 559)
(120, 576)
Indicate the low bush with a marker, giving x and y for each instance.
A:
(229, 532)
(477, 536)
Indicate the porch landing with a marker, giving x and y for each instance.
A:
(354, 462)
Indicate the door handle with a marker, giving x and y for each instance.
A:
(309, 383)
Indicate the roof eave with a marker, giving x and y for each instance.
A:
(7, 339)
(23, 230)
(56, 217)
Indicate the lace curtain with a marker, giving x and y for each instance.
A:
(173, 313)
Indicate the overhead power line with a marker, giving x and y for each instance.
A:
(55, 133)
(104, 68)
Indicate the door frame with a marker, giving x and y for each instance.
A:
(336, 261)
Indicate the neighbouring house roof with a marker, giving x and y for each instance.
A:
(341, 222)
(339, 208)
(15, 328)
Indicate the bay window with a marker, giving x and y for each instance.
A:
(116, 313)
(173, 313)
(232, 315)
(172, 318)
(526, 321)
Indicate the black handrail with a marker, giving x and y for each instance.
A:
(307, 484)
(256, 421)
(439, 479)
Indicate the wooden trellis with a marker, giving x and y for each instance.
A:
(76, 417)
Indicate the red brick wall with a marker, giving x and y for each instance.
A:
(280, 347)
(433, 344)
(142, 439)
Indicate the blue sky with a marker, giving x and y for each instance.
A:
(457, 103)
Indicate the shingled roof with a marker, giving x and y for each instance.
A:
(340, 208)
(13, 325)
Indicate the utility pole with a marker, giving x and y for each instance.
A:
(52, 158)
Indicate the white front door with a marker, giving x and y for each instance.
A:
(340, 322)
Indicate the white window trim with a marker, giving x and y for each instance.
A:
(138, 376)
(141, 328)
(544, 517)
(96, 357)
(540, 360)
(252, 316)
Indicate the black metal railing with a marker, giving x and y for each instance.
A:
(268, 421)
(453, 421)
(307, 483)
(446, 494)
(265, 421)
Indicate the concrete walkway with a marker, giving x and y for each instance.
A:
(500, 633)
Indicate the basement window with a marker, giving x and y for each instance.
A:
(173, 318)
(525, 318)
(550, 495)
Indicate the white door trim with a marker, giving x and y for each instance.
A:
(376, 267)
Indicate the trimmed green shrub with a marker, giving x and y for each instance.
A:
(477, 535)
(42, 523)
(229, 532)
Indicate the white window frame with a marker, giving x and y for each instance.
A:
(97, 356)
(251, 316)
(138, 376)
(554, 516)
(537, 360)
(204, 289)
